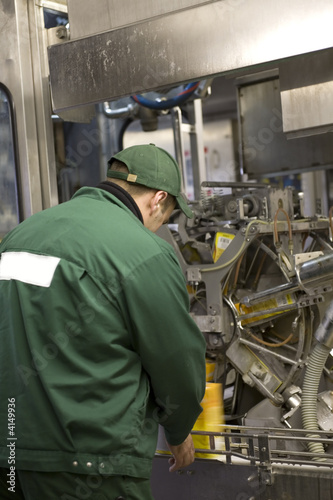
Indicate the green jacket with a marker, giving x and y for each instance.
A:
(97, 345)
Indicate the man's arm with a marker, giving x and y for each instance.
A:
(170, 345)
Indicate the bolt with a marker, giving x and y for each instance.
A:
(61, 33)
(263, 448)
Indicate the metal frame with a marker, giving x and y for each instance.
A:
(245, 445)
(57, 5)
(24, 74)
(45, 135)
(250, 467)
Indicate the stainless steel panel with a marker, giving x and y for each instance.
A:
(298, 484)
(16, 75)
(110, 14)
(307, 94)
(24, 72)
(183, 46)
(264, 147)
(46, 152)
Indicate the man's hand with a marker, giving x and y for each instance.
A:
(183, 454)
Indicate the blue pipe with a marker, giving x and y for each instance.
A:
(169, 103)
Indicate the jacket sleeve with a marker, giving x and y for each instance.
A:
(169, 343)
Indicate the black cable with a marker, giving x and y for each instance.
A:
(126, 123)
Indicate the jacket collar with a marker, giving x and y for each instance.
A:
(123, 196)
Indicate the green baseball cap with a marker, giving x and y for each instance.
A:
(153, 167)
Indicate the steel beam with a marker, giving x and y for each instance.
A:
(207, 40)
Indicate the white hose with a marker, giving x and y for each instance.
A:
(312, 376)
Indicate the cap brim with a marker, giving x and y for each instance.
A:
(182, 203)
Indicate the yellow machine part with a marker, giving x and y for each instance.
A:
(222, 241)
(212, 417)
(262, 307)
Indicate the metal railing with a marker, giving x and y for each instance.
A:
(267, 446)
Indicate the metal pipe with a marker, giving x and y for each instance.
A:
(268, 312)
(246, 185)
(315, 271)
(292, 286)
(263, 349)
(276, 398)
(176, 116)
(310, 273)
(129, 111)
(324, 333)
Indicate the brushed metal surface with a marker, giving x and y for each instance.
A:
(264, 147)
(15, 57)
(110, 14)
(184, 46)
(307, 94)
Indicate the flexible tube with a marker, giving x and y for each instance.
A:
(168, 103)
(313, 373)
(275, 224)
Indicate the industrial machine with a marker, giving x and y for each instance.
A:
(258, 270)
(259, 277)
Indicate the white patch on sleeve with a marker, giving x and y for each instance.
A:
(28, 267)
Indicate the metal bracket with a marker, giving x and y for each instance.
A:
(209, 323)
(264, 449)
(193, 275)
(265, 472)
(311, 300)
(265, 477)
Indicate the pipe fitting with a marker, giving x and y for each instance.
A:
(324, 333)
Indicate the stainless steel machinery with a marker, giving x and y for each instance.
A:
(259, 276)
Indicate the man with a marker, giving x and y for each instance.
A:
(97, 345)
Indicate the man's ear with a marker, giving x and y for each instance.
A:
(158, 198)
